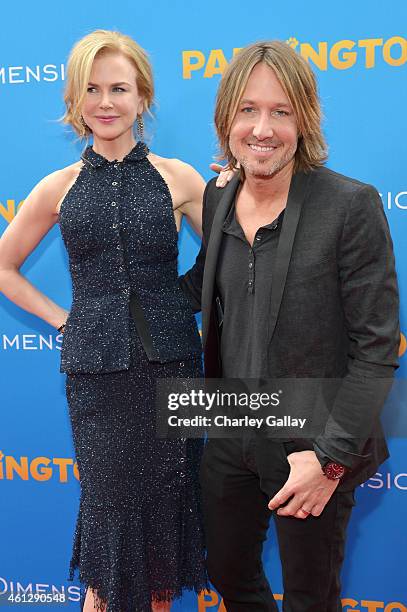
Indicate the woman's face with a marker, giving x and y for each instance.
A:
(112, 100)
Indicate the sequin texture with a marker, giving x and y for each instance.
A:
(138, 536)
(118, 226)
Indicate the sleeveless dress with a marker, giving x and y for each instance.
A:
(138, 536)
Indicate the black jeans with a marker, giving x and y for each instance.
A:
(239, 477)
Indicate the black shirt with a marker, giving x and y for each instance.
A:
(244, 283)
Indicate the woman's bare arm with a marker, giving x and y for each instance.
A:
(194, 187)
(36, 217)
(186, 186)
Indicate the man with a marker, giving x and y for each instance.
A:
(299, 282)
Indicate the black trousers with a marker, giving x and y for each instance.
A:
(239, 477)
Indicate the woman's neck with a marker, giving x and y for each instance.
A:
(114, 149)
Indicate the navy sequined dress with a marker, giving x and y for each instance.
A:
(138, 536)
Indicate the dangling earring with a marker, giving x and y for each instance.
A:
(140, 127)
(86, 128)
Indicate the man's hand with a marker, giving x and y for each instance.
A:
(307, 486)
(225, 174)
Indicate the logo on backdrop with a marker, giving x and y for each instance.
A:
(387, 480)
(211, 600)
(31, 342)
(13, 587)
(344, 54)
(9, 209)
(340, 55)
(403, 345)
(61, 469)
(393, 200)
(17, 75)
(352, 605)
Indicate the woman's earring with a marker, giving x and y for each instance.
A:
(86, 128)
(140, 127)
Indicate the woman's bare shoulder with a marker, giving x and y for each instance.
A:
(53, 187)
(60, 179)
(186, 184)
(174, 167)
(54, 184)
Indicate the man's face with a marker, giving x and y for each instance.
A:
(263, 137)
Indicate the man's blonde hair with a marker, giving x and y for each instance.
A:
(79, 68)
(299, 84)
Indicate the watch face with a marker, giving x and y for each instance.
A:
(333, 471)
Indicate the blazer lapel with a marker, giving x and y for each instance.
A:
(212, 251)
(299, 187)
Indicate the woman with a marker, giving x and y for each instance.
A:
(138, 540)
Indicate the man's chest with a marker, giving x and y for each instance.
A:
(252, 218)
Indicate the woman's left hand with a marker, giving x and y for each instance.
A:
(225, 174)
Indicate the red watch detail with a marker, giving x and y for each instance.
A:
(334, 471)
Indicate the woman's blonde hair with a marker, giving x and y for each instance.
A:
(79, 68)
(299, 84)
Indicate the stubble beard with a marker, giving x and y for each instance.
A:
(267, 168)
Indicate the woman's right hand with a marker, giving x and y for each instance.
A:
(64, 319)
(36, 217)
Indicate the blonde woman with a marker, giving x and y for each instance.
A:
(138, 540)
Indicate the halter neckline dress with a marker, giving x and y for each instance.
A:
(138, 536)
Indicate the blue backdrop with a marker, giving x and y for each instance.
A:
(359, 52)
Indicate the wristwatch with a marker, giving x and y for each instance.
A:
(334, 471)
(331, 469)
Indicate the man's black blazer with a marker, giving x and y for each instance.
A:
(334, 305)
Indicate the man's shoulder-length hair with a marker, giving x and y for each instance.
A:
(299, 84)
